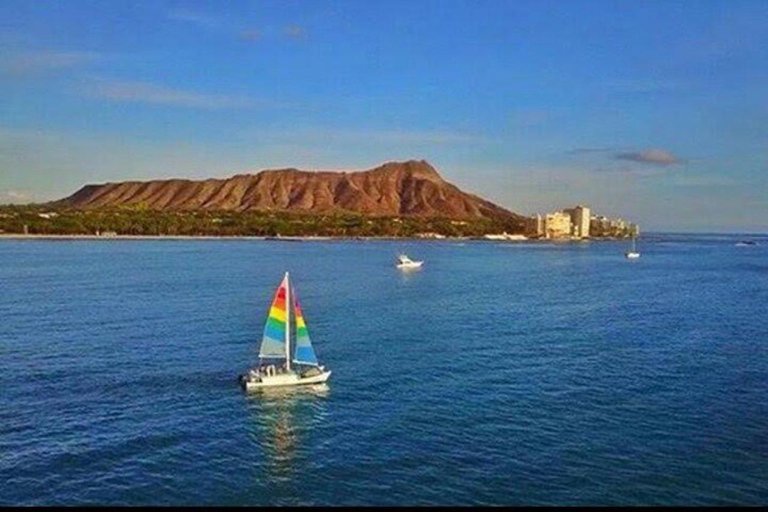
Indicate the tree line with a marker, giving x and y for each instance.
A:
(43, 219)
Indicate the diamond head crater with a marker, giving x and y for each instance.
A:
(395, 199)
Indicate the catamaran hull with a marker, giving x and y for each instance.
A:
(283, 380)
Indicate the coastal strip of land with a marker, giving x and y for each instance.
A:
(397, 200)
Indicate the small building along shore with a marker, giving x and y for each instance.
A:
(506, 237)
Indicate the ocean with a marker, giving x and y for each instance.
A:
(501, 373)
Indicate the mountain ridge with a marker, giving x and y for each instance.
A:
(410, 188)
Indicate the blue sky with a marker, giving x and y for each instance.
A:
(653, 111)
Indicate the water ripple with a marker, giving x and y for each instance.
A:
(531, 374)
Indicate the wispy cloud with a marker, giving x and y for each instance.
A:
(327, 143)
(30, 63)
(15, 197)
(418, 137)
(627, 171)
(642, 85)
(144, 92)
(232, 28)
(195, 18)
(251, 35)
(395, 137)
(704, 181)
(587, 151)
(650, 156)
(295, 32)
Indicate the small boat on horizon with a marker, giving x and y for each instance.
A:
(746, 243)
(406, 263)
(275, 358)
(632, 254)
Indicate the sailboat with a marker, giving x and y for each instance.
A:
(275, 368)
(633, 254)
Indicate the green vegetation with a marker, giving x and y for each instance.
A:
(50, 220)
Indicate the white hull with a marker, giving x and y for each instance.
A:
(632, 255)
(306, 372)
(284, 379)
(410, 266)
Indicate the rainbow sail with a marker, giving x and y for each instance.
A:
(273, 344)
(304, 354)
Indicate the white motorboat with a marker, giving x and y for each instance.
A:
(275, 368)
(633, 254)
(406, 263)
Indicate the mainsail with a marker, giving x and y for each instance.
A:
(273, 344)
(305, 354)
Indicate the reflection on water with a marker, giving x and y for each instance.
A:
(408, 274)
(647, 390)
(283, 418)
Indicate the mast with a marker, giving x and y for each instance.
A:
(287, 323)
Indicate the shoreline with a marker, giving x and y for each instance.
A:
(37, 236)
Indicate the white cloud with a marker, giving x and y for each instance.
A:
(650, 156)
(15, 197)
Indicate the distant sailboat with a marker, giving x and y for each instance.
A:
(633, 254)
(275, 353)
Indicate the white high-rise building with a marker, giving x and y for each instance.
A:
(557, 225)
(580, 217)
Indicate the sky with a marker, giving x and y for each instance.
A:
(653, 111)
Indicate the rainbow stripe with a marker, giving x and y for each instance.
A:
(273, 342)
(301, 326)
(305, 354)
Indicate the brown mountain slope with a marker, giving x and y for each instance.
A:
(395, 188)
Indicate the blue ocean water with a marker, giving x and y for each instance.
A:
(524, 374)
